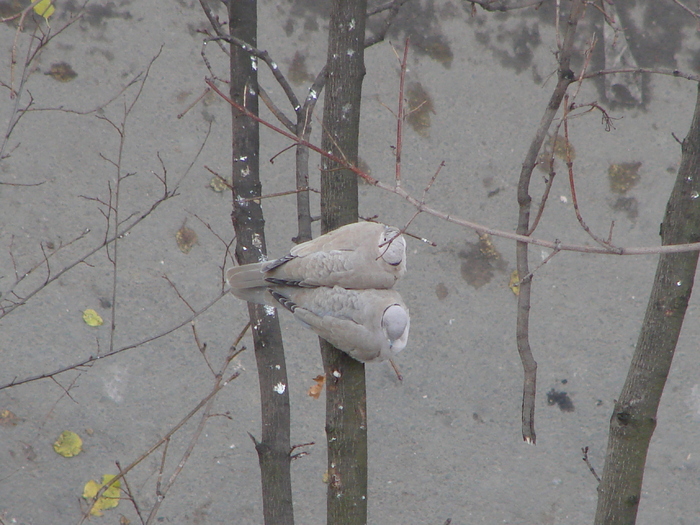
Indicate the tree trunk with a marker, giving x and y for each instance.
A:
(634, 417)
(274, 448)
(346, 413)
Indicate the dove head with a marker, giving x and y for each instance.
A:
(395, 323)
(392, 246)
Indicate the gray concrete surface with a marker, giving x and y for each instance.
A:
(446, 442)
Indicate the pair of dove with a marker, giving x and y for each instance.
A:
(339, 286)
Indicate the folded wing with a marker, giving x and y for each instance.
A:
(368, 325)
(356, 256)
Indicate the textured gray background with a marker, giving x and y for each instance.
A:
(444, 444)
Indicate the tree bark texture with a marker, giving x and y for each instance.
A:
(634, 416)
(346, 412)
(274, 447)
(341, 111)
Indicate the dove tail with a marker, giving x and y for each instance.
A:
(246, 276)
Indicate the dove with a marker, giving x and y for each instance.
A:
(356, 256)
(368, 325)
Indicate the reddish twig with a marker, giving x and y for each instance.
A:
(574, 199)
(401, 116)
(479, 228)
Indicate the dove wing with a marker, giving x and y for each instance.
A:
(351, 320)
(345, 238)
(349, 257)
(345, 334)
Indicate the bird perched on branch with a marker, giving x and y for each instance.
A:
(357, 256)
(338, 285)
(369, 325)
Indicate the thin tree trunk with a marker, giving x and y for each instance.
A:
(634, 417)
(346, 413)
(274, 447)
(566, 76)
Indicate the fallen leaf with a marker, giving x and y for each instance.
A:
(315, 390)
(108, 500)
(92, 318)
(68, 444)
(62, 71)
(8, 418)
(623, 176)
(186, 238)
(219, 184)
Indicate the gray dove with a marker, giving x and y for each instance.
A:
(368, 325)
(357, 256)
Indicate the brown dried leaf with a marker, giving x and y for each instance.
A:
(62, 71)
(623, 176)
(186, 238)
(8, 418)
(316, 389)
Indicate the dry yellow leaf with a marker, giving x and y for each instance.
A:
(68, 444)
(92, 318)
(45, 9)
(219, 184)
(108, 500)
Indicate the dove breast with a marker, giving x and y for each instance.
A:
(357, 256)
(368, 325)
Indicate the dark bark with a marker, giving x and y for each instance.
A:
(274, 447)
(346, 421)
(303, 131)
(634, 417)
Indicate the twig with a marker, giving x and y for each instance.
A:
(277, 112)
(202, 347)
(546, 260)
(547, 185)
(401, 116)
(479, 228)
(127, 491)
(29, 184)
(167, 194)
(656, 71)
(588, 463)
(193, 104)
(393, 8)
(570, 167)
(529, 364)
(215, 390)
(172, 285)
(271, 64)
(92, 359)
(505, 5)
